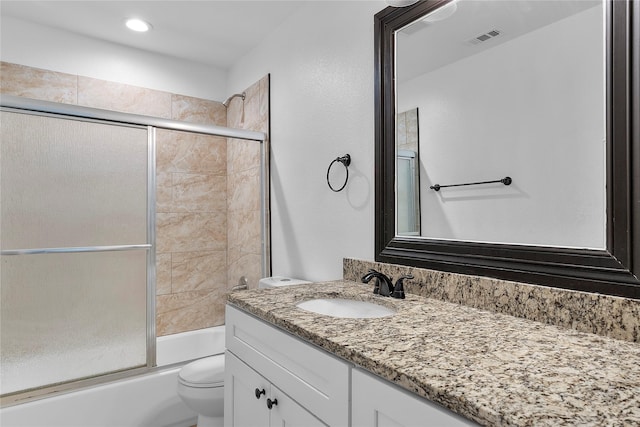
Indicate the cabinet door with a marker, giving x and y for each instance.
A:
(241, 406)
(295, 367)
(377, 403)
(288, 413)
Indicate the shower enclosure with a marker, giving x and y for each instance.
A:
(77, 234)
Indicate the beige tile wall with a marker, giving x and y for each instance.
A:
(243, 184)
(191, 230)
(208, 205)
(35, 83)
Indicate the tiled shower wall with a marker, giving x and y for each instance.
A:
(191, 230)
(208, 191)
(244, 249)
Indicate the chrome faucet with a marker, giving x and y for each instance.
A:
(384, 284)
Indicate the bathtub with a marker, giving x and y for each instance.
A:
(144, 400)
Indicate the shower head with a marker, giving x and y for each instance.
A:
(242, 95)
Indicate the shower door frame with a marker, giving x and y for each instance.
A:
(22, 105)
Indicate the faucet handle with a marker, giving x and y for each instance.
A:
(398, 289)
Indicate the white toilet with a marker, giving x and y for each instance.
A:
(201, 388)
(201, 383)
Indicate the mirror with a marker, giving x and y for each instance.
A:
(533, 96)
(511, 89)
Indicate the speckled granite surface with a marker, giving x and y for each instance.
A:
(604, 315)
(492, 368)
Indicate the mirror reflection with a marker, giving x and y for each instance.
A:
(503, 88)
(408, 173)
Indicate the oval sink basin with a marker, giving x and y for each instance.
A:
(347, 308)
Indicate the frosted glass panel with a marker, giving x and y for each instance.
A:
(69, 316)
(407, 194)
(71, 183)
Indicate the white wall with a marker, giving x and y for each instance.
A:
(322, 106)
(34, 45)
(532, 109)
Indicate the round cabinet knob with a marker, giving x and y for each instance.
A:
(259, 393)
(271, 403)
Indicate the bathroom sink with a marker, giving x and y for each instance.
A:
(346, 308)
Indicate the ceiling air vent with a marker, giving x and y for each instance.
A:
(484, 37)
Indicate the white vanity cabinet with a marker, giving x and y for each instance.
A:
(242, 407)
(378, 403)
(305, 385)
(308, 387)
(254, 401)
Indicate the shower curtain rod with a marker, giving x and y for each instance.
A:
(21, 103)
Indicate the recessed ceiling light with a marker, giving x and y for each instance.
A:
(138, 25)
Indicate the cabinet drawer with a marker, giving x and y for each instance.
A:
(315, 379)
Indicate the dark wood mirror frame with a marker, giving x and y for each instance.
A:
(613, 271)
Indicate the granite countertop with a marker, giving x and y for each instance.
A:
(492, 368)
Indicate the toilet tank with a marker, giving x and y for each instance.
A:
(276, 281)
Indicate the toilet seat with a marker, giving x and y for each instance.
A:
(203, 373)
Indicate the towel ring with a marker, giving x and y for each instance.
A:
(346, 161)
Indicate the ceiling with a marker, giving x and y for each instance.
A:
(216, 33)
(424, 46)
(219, 32)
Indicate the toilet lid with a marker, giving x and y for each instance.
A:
(206, 372)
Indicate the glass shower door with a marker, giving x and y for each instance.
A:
(408, 194)
(76, 248)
